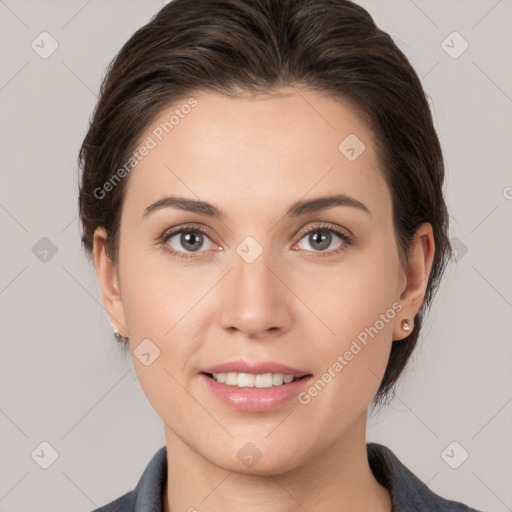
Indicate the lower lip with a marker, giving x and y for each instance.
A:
(255, 399)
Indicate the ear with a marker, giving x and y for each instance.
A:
(420, 258)
(109, 282)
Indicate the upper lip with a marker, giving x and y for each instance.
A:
(254, 367)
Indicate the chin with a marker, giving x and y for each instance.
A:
(250, 461)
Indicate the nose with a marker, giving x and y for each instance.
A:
(255, 301)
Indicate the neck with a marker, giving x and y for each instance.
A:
(338, 478)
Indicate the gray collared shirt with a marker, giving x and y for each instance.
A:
(408, 493)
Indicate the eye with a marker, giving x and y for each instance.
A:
(185, 241)
(321, 238)
(188, 240)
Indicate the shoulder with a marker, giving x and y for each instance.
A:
(408, 492)
(149, 493)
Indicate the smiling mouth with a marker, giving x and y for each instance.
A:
(250, 380)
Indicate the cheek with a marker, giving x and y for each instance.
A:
(357, 306)
(160, 304)
(352, 296)
(155, 293)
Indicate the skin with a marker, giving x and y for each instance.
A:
(252, 158)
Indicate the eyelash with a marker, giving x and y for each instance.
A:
(345, 237)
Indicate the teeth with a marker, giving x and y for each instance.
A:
(249, 380)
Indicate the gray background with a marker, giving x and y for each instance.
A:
(64, 381)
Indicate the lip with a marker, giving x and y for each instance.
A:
(255, 399)
(255, 368)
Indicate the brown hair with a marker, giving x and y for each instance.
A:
(258, 46)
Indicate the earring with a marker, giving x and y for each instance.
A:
(120, 338)
(406, 324)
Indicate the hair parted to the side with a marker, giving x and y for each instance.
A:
(249, 47)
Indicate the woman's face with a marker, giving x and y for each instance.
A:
(257, 276)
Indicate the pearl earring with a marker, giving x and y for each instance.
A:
(406, 325)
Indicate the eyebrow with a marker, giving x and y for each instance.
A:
(297, 209)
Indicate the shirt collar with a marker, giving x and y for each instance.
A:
(407, 491)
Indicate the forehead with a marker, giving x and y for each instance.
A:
(258, 150)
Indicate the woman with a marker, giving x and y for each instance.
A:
(262, 199)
